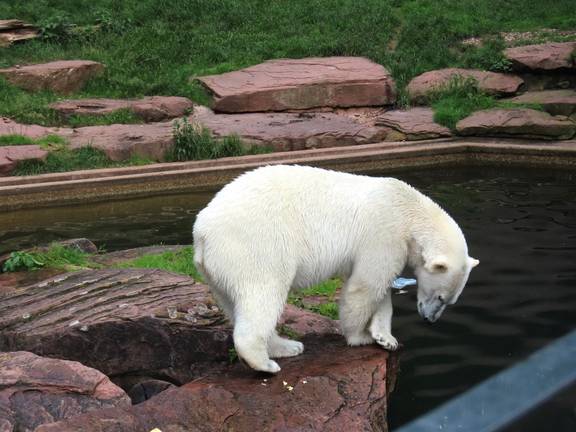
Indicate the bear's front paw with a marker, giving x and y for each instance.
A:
(387, 341)
(269, 366)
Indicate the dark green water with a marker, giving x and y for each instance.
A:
(521, 224)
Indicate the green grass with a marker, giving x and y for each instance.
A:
(155, 46)
(181, 262)
(56, 256)
(193, 143)
(48, 141)
(460, 98)
(122, 116)
(64, 159)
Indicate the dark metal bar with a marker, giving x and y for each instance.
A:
(507, 396)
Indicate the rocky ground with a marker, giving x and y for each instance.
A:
(132, 349)
(307, 103)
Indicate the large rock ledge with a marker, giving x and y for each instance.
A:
(331, 387)
(285, 84)
(150, 330)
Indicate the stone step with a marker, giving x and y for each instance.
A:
(516, 123)
(10, 156)
(555, 102)
(288, 84)
(290, 131)
(497, 84)
(413, 124)
(543, 57)
(64, 77)
(149, 109)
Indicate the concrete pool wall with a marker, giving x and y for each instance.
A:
(122, 183)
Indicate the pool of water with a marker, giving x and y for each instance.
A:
(521, 224)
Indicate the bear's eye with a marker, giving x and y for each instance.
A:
(441, 298)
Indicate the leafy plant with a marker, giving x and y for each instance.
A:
(193, 142)
(56, 28)
(20, 260)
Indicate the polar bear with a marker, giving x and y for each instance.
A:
(284, 227)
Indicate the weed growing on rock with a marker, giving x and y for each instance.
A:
(21, 261)
(56, 256)
(47, 142)
(192, 142)
(121, 116)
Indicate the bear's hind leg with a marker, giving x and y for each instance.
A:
(282, 347)
(256, 314)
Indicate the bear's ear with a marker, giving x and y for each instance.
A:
(438, 264)
(473, 262)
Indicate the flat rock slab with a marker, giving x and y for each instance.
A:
(36, 390)
(290, 131)
(121, 141)
(287, 84)
(331, 387)
(497, 84)
(543, 57)
(149, 109)
(118, 321)
(62, 77)
(555, 102)
(516, 123)
(10, 156)
(10, 127)
(414, 124)
(16, 30)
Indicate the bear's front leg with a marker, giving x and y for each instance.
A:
(381, 325)
(357, 306)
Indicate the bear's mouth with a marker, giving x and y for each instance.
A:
(431, 311)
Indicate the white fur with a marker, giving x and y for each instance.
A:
(282, 227)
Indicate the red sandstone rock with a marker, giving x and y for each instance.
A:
(121, 141)
(149, 109)
(547, 57)
(10, 127)
(518, 123)
(286, 84)
(331, 387)
(555, 102)
(15, 30)
(290, 131)
(304, 322)
(36, 390)
(11, 155)
(117, 321)
(60, 76)
(493, 83)
(415, 123)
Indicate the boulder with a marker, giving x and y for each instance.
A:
(543, 57)
(555, 102)
(516, 123)
(330, 387)
(15, 30)
(303, 322)
(10, 156)
(414, 123)
(36, 390)
(118, 321)
(149, 109)
(290, 131)
(122, 141)
(287, 84)
(497, 84)
(64, 77)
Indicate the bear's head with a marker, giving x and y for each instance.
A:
(440, 282)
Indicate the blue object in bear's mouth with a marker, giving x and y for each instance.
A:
(401, 283)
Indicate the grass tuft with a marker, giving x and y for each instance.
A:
(56, 256)
(181, 262)
(121, 116)
(196, 143)
(64, 159)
